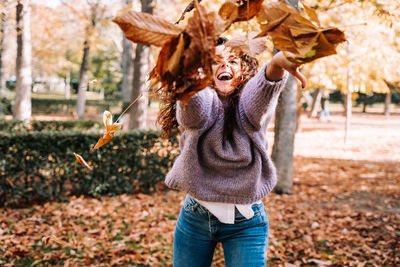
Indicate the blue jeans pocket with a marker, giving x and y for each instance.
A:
(192, 207)
(260, 216)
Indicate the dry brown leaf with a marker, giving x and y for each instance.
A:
(248, 44)
(301, 39)
(312, 15)
(184, 63)
(229, 11)
(109, 131)
(174, 60)
(248, 9)
(80, 159)
(187, 9)
(145, 28)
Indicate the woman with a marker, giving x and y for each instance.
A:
(224, 166)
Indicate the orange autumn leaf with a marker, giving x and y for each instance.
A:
(109, 131)
(144, 28)
(301, 36)
(82, 161)
(248, 9)
(184, 63)
(249, 44)
(187, 9)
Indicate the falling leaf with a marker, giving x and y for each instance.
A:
(173, 62)
(187, 9)
(312, 15)
(229, 11)
(301, 38)
(145, 28)
(184, 63)
(248, 9)
(109, 131)
(80, 159)
(248, 44)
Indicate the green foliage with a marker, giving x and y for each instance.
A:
(77, 125)
(51, 106)
(37, 166)
(105, 67)
(5, 106)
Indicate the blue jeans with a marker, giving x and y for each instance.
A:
(197, 233)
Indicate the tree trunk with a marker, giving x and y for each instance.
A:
(316, 102)
(3, 22)
(388, 99)
(67, 85)
(285, 129)
(348, 98)
(138, 114)
(348, 116)
(364, 110)
(23, 104)
(127, 69)
(83, 80)
(127, 66)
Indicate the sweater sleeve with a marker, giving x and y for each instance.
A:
(259, 98)
(198, 111)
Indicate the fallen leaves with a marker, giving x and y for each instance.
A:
(311, 226)
(344, 210)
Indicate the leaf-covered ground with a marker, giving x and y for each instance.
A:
(344, 211)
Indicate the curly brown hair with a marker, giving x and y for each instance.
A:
(167, 114)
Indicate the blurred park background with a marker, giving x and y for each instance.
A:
(64, 62)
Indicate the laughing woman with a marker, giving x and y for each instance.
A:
(224, 165)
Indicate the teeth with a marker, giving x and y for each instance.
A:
(224, 76)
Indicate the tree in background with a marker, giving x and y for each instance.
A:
(137, 116)
(3, 22)
(23, 106)
(127, 63)
(95, 13)
(285, 130)
(373, 48)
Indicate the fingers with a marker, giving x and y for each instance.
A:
(300, 77)
(294, 70)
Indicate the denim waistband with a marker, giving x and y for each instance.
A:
(191, 203)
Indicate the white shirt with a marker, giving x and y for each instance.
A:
(225, 212)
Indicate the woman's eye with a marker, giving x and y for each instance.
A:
(234, 62)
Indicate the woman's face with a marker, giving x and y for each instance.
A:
(226, 70)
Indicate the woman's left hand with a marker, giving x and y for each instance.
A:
(277, 66)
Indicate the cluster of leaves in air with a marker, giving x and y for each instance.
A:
(184, 63)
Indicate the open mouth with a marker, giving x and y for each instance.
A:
(225, 76)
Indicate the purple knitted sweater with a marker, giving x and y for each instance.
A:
(211, 168)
